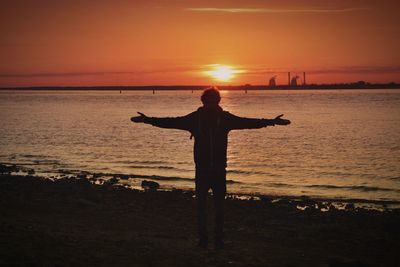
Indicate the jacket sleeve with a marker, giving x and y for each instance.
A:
(237, 123)
(180, 123)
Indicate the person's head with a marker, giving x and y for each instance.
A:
(210, 97)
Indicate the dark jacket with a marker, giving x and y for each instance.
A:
(210, 127)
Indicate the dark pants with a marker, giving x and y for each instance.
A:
(216, 180)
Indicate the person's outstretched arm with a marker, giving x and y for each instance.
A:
(236, 123)
(181, 123)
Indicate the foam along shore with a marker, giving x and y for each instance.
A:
(74, 222)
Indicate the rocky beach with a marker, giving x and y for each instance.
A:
(75, 221)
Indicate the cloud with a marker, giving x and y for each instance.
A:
(246, 71)
(359, 69)
(57, 74)
(272, 10)
(339, 70)
(96, 73)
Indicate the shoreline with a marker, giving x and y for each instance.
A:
(339, 86)
(73, 222)
(120, 179)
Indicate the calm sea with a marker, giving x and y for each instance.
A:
(341, 143)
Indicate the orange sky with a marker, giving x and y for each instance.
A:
(72, 43)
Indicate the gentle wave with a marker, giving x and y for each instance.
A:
(246, 172)
(140, 162)
(158, 177)
(168, 178)
(355, 187)
(152, 167)
(136, 176)
(30, 156)
(282, 185)
(46, 162)
(159, 167)
(319, 148)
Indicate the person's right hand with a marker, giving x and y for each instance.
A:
(279, 121)
(141, 118)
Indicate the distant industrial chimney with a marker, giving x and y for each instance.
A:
(304, 78)
(289, 78)
(293, 82)
(272, 81)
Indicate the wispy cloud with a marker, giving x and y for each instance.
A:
(338, 70)
(273, 10)
(97, 73)
(243, 70)
(58, 74)
(360, 69)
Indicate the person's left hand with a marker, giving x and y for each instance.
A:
(141, 118)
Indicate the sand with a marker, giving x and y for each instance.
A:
(73, 222)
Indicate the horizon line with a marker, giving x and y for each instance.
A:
(275, 10)
(361, 83)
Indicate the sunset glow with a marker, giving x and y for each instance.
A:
(59, 43)
(222, 73)
(142, 132)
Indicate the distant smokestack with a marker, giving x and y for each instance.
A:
(289, 78)
(304, 78)
(293, 82)
(272, 82)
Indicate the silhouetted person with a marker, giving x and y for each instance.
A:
(210, 126)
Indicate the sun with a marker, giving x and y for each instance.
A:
(222, 73)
